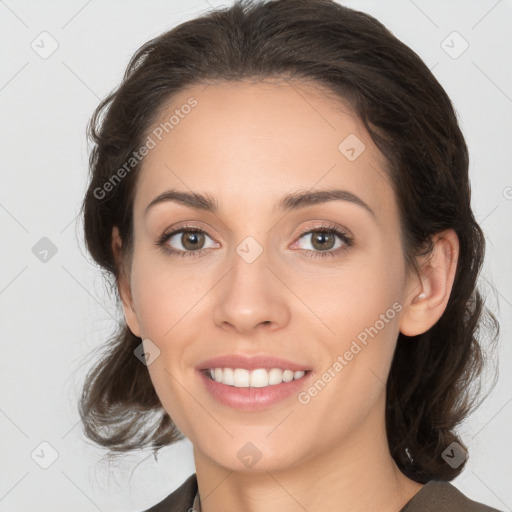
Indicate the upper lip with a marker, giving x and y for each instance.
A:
(250, 363)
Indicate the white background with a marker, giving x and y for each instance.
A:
(54, 314)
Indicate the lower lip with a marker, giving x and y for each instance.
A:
(253, 399)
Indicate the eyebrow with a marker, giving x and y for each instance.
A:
(294, 201)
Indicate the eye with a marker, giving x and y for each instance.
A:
(191, 240)
(323, 241)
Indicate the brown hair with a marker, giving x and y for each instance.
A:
(409, 116)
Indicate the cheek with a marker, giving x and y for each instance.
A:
(164, 296)
(364, 290)
(166, 301)
(362, 309)
(361, 305)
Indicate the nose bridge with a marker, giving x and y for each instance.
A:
(250, 262)
(250, 294)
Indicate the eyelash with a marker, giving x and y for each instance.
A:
(346, 239)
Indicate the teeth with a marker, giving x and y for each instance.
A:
(228, 376)
(259, 378)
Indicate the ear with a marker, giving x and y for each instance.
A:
(426, 301)
(123, 284)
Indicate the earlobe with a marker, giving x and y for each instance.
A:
(427, 300)
(123, 285)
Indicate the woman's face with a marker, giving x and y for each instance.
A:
(256, 284)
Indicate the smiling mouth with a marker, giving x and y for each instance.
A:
(257, 378)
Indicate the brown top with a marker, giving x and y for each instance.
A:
(435, 496)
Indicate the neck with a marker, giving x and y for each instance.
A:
(354, 475)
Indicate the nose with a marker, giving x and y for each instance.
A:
(252, 296)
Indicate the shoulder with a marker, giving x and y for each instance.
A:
(179, 500)
(442, 496)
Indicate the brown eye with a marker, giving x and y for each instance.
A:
(323, 240)
(185, 242)
(192, 240)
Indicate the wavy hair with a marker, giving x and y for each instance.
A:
(435, 378)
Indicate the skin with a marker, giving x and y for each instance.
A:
(261, 141)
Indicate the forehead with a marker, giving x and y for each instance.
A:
(254, 142)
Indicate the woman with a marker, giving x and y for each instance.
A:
(281, 192)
